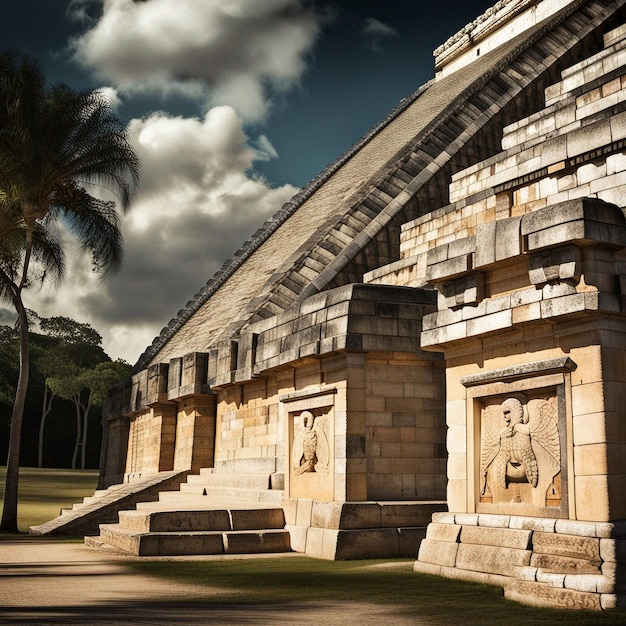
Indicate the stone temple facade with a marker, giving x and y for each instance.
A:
(432, 332)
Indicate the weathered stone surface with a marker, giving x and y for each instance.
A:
(438, 552)
(248, 542)
(565, 564)
(246, 519)
(176, 521)
(444, 532)
(345, 515)
(367, 543)
(490, 559)
(500, 537)
(538, 594)
(567, 545)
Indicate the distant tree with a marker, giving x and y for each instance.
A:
(83, 386)
(68, 365)
(54, 143)
(69, 331)
(98, 381)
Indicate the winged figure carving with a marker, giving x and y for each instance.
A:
(527, 446)
(310, 451)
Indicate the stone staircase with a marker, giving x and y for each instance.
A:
(250, 487)
(85, 517)
(212, 513)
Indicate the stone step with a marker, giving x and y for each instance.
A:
(196, 542)
(209, 478)
(227, 493)
(190, 502)
(202, 520)
(85, 518)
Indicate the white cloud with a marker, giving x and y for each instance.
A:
(374, 31)
(198, 202)
(110, 94)
(234, 52)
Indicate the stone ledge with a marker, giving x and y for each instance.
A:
(516, 372)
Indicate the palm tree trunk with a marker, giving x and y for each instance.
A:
(9, 513)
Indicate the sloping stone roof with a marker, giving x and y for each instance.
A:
(346, 221)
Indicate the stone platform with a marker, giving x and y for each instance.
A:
(544, 562)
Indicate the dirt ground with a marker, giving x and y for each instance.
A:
(57, 582)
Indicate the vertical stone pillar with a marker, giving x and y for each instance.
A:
(195, 433)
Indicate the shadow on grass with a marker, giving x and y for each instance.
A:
(200, 613)
(425, 599)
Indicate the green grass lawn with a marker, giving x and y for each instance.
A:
(44, 492)
(435, 600)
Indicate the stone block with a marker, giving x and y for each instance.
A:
(407, 514)
(303, 516)
(345, 515)
(443, 518)
(250, 519)
(588, 137)
(290, 508)
(491, 559)
(466, 519)
(442, 553)
(613, 550)
(178, 521)
(592, 498)
(499, 537)
(571, 211)
(430, 569)
(557, 264)
(367, 543)
(297, 537)
(565, 564)
(567, 545)
(174, 544)
(539, 594)
(409, 540)
(552, 579)
(493, 521)
(485, 244)
(553, 150)
(584, 582)
(449, 268)
(260, 541)
(591, 459)
(315, 544)
(508, 240)
(444, 532)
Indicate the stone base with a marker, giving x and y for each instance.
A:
(538, 561)
(357, 530)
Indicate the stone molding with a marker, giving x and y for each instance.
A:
(517, 372)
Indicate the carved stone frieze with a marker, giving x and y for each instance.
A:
(520, 451)
(310, 451)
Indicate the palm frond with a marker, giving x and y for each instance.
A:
(95, 223)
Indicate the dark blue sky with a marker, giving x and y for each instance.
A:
(347, 89)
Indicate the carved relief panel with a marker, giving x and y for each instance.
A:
(309, 420)
(310, 451)
(521, 453)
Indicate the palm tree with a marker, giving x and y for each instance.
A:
(56, 145)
